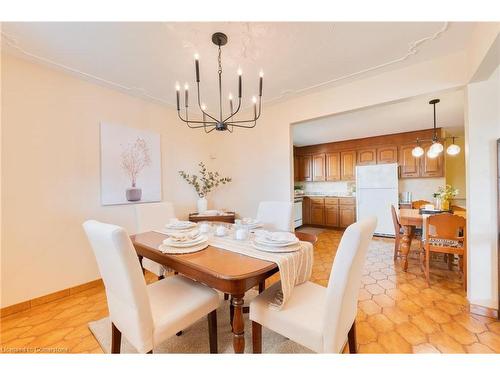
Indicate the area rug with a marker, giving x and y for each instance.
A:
(195, 338)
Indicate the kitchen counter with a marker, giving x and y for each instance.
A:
(328, 195)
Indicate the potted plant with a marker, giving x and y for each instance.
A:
(134, 158)
(446, 194)
(204, 184)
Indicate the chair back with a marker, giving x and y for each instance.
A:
(419, 204)
(153, 216)
(276, 215)
(344, 284)
(395, 221)
(128, 301)
(446, 231)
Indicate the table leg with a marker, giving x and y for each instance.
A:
(238, 324)
(405, 244)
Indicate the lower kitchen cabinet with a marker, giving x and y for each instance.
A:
(332, 216)
(306, 211)
(347, 215)
(317, 214)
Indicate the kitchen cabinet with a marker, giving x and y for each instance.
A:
(367, 156)
(332, 161)
(306, 211)
(347, 165)
(431, 167)
(305, 168)
(332, 212)
(408, 164)
(318, 163)
(347, 215)
(296, 175)
(387, 154)
(317, 214)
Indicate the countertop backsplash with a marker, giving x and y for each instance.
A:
(334, 188)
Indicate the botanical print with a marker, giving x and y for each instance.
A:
(130, 165)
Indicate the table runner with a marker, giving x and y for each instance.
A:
(295, 268)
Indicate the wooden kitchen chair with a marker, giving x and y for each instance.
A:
(446, 234)
(418, 204)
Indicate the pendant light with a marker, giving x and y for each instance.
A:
(453, 149)
(417, 151)
(436, 147)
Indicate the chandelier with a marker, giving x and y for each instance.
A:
(220, 121)
(436, 147)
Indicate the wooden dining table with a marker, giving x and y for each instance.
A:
(224, 270)
(409, 220)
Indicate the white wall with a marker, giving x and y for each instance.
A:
(50, 173)
(482, 129)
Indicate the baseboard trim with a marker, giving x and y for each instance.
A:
(483, 311)
(26, 305)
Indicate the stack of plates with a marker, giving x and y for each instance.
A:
(180, 225)
(249, 223)
(183, 243)
(276, 242)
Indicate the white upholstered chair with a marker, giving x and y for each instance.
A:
(146, 314)
(321, 319)
(153, 216)
(276, 215)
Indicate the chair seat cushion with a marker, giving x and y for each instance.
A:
(442, 242)
(300, 320)
(176, 303)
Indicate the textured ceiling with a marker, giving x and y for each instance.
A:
(147, 59)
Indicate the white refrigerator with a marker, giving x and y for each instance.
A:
(376, 191)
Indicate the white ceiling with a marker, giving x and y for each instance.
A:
(148, 58)
(404, 116)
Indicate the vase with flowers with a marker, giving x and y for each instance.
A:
(445, 194)
(203, 184)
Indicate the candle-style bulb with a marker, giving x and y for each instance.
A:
(261, 74)
(230, 96)
(186, 86)
(177, 86)
(196, 56)
(240, 72)
(254, 100)
(203, 107)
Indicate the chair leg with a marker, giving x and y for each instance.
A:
(150, 352)
(262, 286)
(450, 261)
(179, 333)
(212, 331)
(427, 267)
(116, 339)
(231, 313)
(256, 338)
(396, 246)
(351, 339)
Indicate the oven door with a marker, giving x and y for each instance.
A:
(297, 212)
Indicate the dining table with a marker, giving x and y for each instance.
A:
(410, 219)
(229, 272)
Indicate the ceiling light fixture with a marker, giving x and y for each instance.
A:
(219, 122)
(453, 149)
(417, 151)
(436, 147)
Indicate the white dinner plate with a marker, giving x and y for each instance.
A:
(277, 249)
(200, 239)
(265, 242)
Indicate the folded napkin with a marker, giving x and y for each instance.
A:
(184, 236)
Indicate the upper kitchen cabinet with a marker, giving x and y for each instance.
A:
(305, 168)
(387, 154)
(367, 156)
(409, 165)
(348, 165)
(431, 167)
(333, 166)
(318, 163)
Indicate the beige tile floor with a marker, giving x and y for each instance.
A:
(397, 312)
